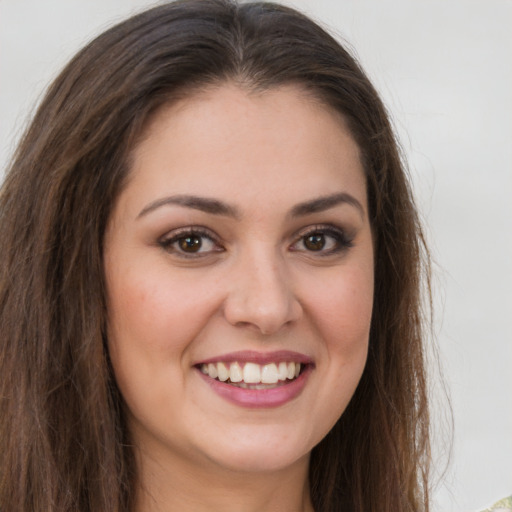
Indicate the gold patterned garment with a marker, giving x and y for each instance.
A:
(502, 506)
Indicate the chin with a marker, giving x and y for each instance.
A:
(258, 453)
(257, 462)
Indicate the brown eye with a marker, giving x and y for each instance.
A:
(190, 243)
(323, 241)
(314, 241)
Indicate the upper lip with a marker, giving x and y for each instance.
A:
(252, 356)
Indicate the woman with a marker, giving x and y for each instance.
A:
(210, 291)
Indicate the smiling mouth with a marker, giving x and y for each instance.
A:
(253, 375)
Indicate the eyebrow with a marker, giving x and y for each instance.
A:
(216, 207)
(203, 204)
(325, 203)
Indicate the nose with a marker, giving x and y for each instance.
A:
(261, 294)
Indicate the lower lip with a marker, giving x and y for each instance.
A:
(260, 398)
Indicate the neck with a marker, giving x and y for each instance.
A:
(176, 487)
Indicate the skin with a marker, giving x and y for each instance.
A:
(257, 286)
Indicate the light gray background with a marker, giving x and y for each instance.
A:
(444, 68)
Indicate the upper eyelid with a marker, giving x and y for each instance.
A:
(204, 231)
(168, 242)
(189, 230)
(345, 238)
(320, 227)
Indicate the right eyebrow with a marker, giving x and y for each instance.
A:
(203, 204)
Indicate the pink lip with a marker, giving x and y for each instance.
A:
(250, 356)
(260, 398)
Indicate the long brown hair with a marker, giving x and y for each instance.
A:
(63, 437)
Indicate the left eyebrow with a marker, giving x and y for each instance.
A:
(325, 203)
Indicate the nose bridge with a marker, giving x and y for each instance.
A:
(261, 293)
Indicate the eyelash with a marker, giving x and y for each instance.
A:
(341, 241)
(187, 233)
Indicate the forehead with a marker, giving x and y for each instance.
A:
(228, 139)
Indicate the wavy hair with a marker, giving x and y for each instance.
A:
(63, 436)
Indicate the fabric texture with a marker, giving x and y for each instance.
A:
(504, 505)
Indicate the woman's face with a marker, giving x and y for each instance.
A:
(238, 256)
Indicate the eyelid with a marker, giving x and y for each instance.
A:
(344, 240)
(319, 227)
(166, 241)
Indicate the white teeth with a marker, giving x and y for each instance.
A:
(269, 374)
(235, 373)
(212, 371)
(283, 371)
(223, 372)
(252, 373)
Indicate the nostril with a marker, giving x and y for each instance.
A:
(265, 316)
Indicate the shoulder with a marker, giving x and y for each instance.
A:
(504, 505)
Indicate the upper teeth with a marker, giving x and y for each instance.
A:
(252, 373)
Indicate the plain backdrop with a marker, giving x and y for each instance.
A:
(444, 69)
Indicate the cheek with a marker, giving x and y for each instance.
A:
(343, 310)
(154, 312)
(153, 321)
